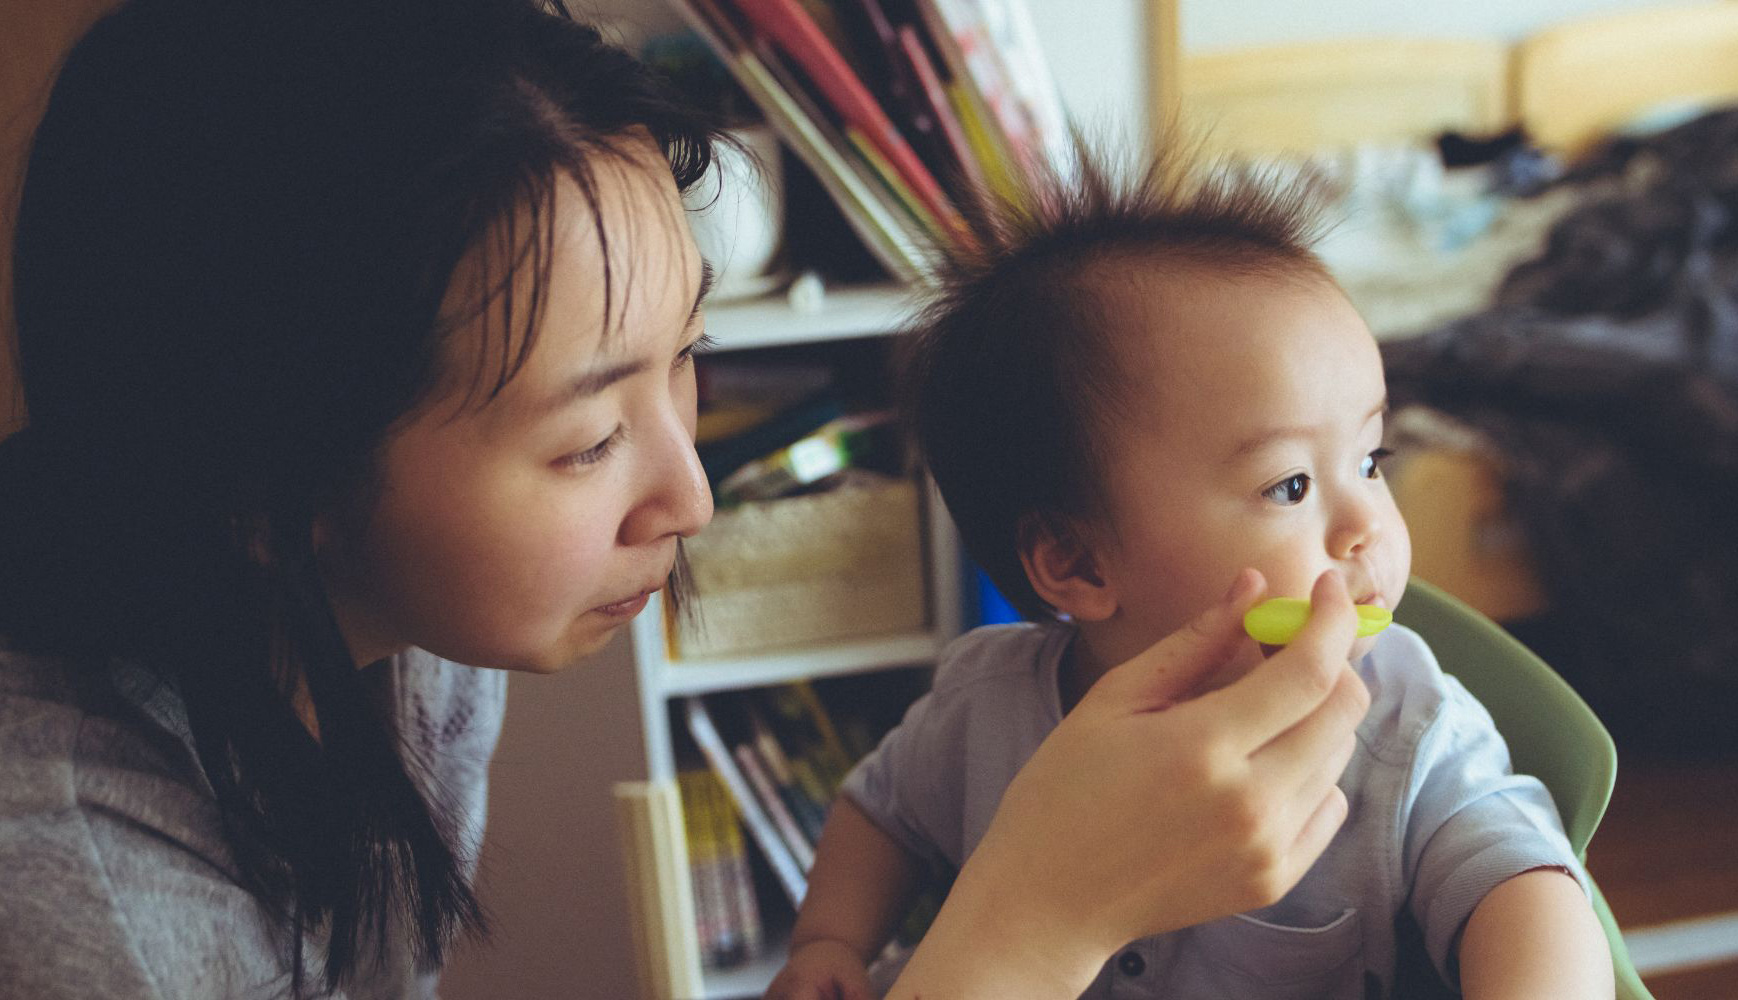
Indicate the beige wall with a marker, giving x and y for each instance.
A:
(34, 35)
(551, 869)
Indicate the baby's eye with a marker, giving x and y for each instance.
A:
(1288, 491)
(1372, 466)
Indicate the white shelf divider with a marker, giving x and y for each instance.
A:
(843, 313)
(780, 666)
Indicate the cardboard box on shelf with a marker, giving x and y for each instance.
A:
(834, 565)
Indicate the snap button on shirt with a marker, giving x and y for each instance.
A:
(1131, 963)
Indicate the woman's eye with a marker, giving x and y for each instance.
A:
(1372, 466)
(701, 345)
(1288, 491)
(593, 455)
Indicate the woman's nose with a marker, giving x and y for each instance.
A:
(677, 499)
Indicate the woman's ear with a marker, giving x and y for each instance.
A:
(1064, 571)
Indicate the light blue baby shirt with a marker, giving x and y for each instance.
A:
(1436, 820)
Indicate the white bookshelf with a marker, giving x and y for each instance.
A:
(662, 905)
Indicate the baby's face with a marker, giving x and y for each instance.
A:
(1252, 437)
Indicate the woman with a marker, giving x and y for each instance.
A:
(357, 340)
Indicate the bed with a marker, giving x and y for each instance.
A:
(1567, 415)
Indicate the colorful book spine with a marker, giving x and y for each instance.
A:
(774, 804)
(991, 150)
(957, 27)
(808, 808)
(738, 880)
(889, 175)
(895, 243)
(934, 95)
(791, 876)
(714, 917)
(800, 700)
(785, 22)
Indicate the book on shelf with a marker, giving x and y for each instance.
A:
(906, 110)
(727, 454)
(795, 812)
(792, 876)
(807, 731)
(798, 38)
(934, 96)
(994, 45)
(780, 756)
(806, 800)
(726, 910)
(891, 77)
(869, 210)
(714, 917)
(768, 794)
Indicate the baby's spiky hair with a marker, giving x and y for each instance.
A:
(1012, 372)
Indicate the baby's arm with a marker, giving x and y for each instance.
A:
(1535, 936)
(862, 884)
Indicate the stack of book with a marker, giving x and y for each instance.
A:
(725, 907)
(781, 760)
(908, 111)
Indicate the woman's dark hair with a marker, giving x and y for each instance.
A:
(1013, 374)
(239, 221)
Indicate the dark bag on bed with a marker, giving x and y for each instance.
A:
(1607, 377)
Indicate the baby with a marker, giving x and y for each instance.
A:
(1133, 392)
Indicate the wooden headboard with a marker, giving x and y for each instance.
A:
(1567, 85)
(1577, 81)
(1309, 96)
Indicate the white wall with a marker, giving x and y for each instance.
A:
(1218, 24)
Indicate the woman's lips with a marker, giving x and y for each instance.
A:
(626, 609)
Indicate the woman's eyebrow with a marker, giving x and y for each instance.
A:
(594, 382)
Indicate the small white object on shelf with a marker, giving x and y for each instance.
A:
(808, 293)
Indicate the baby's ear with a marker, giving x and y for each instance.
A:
(1063, 570)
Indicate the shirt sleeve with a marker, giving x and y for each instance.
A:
(110, 893)
(1472, 824)
(902, 790)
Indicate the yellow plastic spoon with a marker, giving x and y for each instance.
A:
(1276, 621)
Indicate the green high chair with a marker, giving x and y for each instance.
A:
(1551, 732)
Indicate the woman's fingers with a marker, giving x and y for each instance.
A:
(1298, 681)
(1313, 754)
(1172, 668)
(1312, 839)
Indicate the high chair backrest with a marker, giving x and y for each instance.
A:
(1551, 732)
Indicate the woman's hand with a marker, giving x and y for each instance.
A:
(1142, 813)
(822, 970)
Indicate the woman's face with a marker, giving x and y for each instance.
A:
(522, 533)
